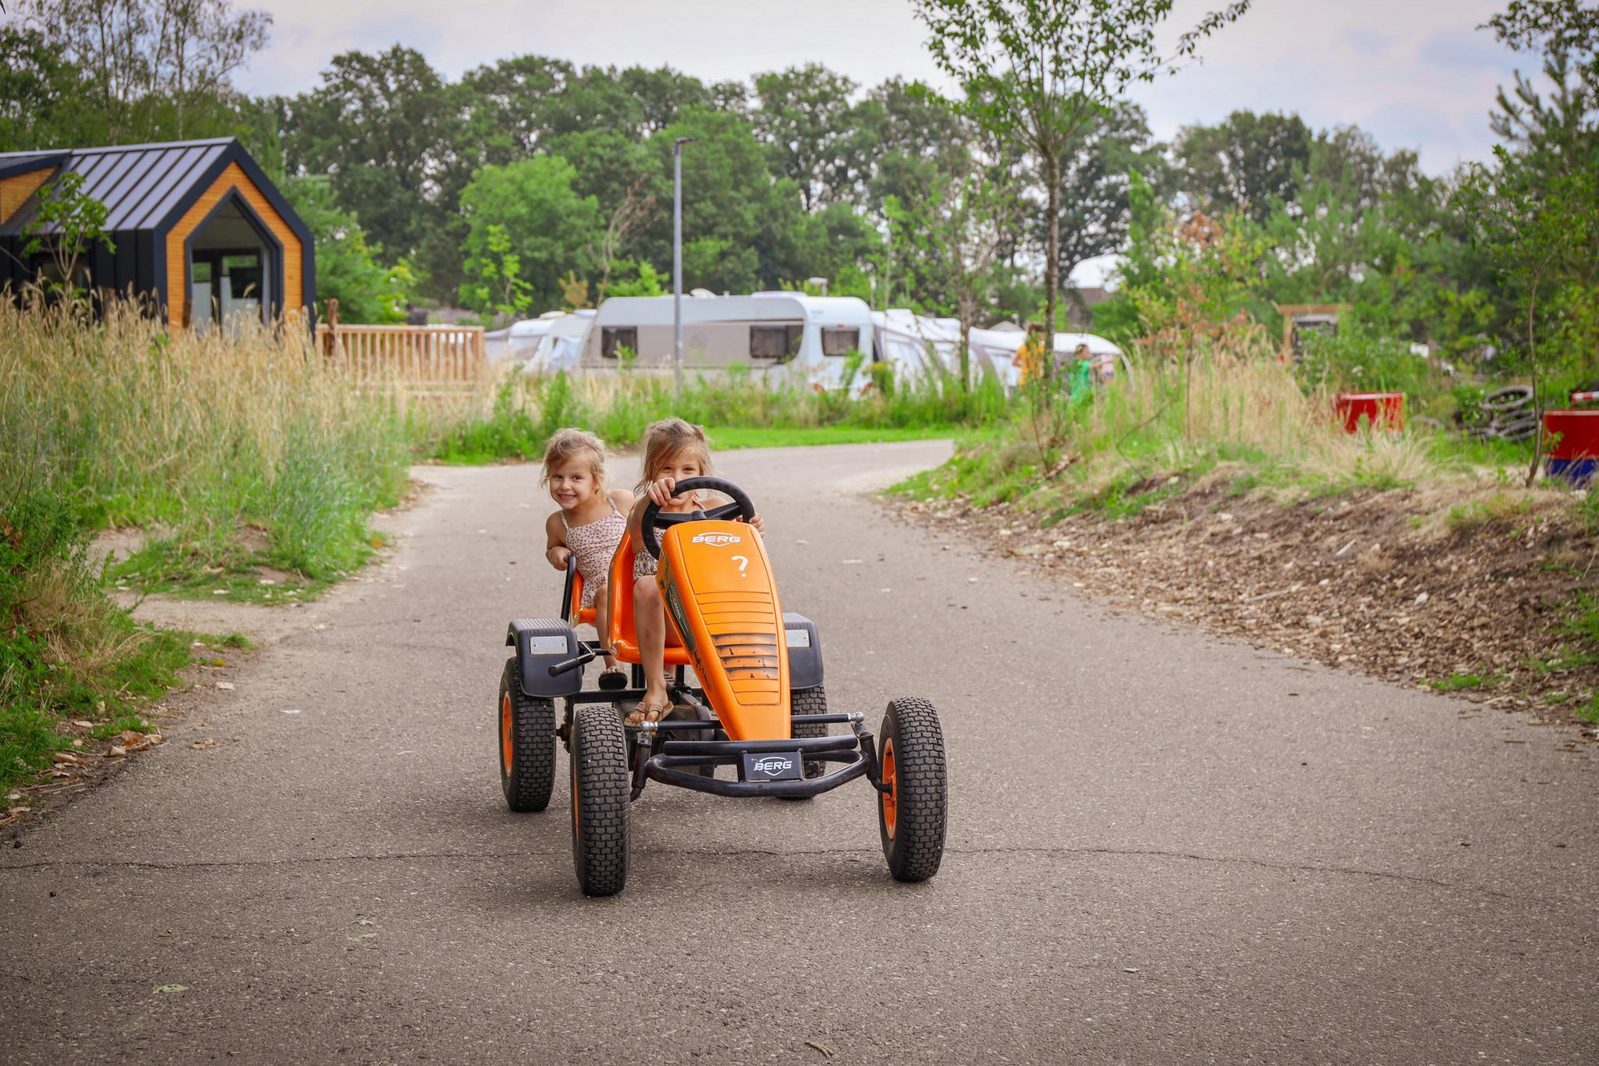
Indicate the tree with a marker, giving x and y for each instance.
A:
(803, 116)
(507, 106)
(66, 223)
(44, 100)
(1559, 134)
(662, 95)
(387, 130)
(1093, 198)
(1544, 234)
(524, 224)
(151, 64)
(202, 42)
(1036, 71)
(733, 210)
(912, 133)
(346, 269)
(1362, 175)
(1243, 163)
(494, 282)
(949, 242)
(1554, 27)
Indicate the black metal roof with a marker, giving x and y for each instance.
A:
(140, 184)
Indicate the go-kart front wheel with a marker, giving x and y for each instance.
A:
(527, 744)
(600, 796)
(910, 815)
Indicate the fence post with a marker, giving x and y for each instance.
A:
(333, 326)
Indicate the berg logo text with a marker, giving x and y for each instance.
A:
(716, 539)
(772, 764)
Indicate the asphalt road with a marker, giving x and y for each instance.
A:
(1163, 847)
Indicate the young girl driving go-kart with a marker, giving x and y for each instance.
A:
(674, 450)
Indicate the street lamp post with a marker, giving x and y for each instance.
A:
(677, 264)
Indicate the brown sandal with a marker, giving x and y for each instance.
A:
(651, 713)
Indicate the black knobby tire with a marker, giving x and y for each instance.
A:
(600, 797)
(526, 728)
(809, 701)
(911, 818)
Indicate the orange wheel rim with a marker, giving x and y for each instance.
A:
(505, 734)
(889, 799)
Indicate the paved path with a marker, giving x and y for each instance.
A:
(1163, 848)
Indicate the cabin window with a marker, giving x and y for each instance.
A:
(776, 342)
(840, 340)
(614, 338)
(227, 287)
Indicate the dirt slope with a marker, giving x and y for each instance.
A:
(1383, 582)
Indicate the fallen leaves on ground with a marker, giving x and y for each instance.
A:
(1376, 582)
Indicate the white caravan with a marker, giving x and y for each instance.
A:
(915, 345)
(779, 336)
(519, 339)
(561, 347)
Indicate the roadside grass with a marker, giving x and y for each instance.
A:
(1471, 681)
(245, 456)
(244, 450)
(67, 653)
(737, 437)
(521, 412)
(1233, 413)
(1474, 514)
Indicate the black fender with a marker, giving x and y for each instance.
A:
(804, 651)
(540, 643)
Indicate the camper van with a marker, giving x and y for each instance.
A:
(518, 340)
(561, 347)
(779, 336)
(916, 346)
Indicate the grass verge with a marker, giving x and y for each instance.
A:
(735, 437)
(740, 410)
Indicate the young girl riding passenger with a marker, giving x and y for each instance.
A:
(674, 451)
(588, 525)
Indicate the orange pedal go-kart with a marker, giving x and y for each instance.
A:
(757, 707)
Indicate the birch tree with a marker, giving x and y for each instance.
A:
(1037, 71)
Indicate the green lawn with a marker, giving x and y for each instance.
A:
(726, 437)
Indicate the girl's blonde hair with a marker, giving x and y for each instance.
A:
(668, 438)
(569, 444)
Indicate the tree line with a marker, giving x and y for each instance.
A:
(533, 183)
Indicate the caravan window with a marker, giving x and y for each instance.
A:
(775, 342)
(840, 340)
(615, 338)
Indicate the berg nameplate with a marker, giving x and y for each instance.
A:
(773, 766)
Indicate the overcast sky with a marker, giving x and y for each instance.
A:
(1416, 73)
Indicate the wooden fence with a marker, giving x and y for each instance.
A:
(448, 357)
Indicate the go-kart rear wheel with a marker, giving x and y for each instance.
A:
(809, 701)
(910, 816)
(600, 795)
(527, 744)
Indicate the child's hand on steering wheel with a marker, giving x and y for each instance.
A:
(660, 494)
(759, 523)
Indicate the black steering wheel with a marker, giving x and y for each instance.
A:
(652, 517)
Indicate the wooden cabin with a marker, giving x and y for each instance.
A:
(195, 227)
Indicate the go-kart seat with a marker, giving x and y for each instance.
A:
(622, 638)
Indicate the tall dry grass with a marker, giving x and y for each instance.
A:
(197, 436)
(1220, 403)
